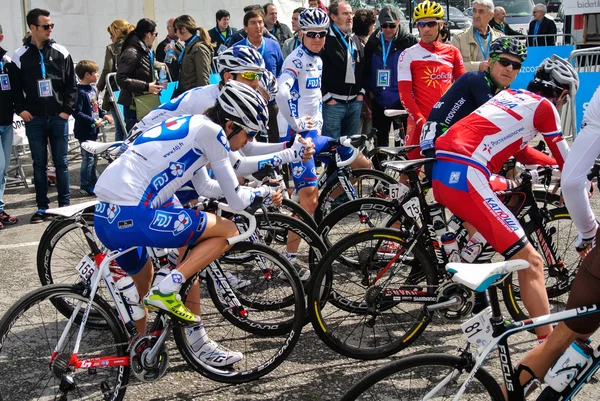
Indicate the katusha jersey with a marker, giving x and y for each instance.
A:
(300, 90)
(500, 128)
(193, 101)
(425, 72)
(164, 158)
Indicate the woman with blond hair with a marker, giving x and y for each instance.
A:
(118, 30)
(196, 58)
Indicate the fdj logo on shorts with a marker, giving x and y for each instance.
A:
(297, 171)
(313, 83)
(175, 223)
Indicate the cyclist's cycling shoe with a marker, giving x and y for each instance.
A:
(232, 279)
(170, 303)
(214, 354)
(303, 273)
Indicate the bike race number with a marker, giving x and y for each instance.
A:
(86, 267)
(397, 191)
(478, 330)
(412, 208)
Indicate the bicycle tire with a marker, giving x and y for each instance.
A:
(386, 383)
(265, 338)
(555, 289)
(337, 297)
(334, 184)
(298, 211)
(14, 365)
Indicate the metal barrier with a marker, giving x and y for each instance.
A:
(560, 39)
(584, 61)
(113, 100)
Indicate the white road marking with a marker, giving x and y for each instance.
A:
(22, 245)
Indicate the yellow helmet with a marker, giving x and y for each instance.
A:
(428, 9)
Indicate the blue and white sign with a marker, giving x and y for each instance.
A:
(535, 56)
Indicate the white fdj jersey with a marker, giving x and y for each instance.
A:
(300, 90)
(583, 154)
(164, 158)
(193, 101)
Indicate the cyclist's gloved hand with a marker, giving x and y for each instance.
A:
(304, 149)
(272, 195)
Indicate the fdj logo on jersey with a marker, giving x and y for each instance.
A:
(275, 161)
(313, 83)
(223, 140)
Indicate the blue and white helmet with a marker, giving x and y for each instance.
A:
(268, 82)
(240, 59)
(244, 105)
(313, 19)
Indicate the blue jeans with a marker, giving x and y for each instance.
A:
(130, 118)
(40, 130)
(119, 133)
(87, 173)
(341, 119)
(6, 140)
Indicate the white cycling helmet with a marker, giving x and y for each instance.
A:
(561, 72)
(245, 106)
(268, 83)
(313, 19)
(240, 59)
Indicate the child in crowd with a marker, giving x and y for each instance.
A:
(88, 118)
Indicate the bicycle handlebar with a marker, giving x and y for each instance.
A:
(248, 213)
(353, 142)
(395, 113)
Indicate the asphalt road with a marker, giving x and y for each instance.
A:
(312, 372)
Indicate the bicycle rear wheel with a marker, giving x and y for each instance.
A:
(364, 318)
(415, 377)
(275, 306)
(29, 332)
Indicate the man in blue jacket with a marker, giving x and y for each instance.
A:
(381, 69)
(45, 93)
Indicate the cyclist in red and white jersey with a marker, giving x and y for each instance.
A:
(426, 70)
(481, 143)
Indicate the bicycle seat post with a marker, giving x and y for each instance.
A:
(497, 317)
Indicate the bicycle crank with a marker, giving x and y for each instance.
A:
(144, 368)
(454, 300)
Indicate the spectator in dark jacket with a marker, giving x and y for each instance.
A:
(222, 31)
(7, 109)
(169, 49)
(282, 32)
(242, 34)
(88, 118)
(196, 58)
(341, 85)
(290, 44)
(541, 25)
(381, 57)
(363, 24)
(136, 69)
(498, 23)
(45, 93)
(118, 30)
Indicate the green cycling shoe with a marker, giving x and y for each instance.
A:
(170, 303)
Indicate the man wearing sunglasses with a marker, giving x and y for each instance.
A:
(480, 143)
(426, 70)
(381, 74)
(474, 43)
(45, 93)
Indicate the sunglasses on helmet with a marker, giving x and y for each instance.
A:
(430, 24)
(315, 34)
(238, 127)
(504, 62)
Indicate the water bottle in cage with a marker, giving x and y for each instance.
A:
(131, 297)
(569, 365)
(450, 246)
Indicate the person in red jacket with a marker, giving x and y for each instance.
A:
(426, 70)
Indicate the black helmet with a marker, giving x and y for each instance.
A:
(508, 45)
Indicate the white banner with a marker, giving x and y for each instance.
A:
(576, 7)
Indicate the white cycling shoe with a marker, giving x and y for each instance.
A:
(216, 355)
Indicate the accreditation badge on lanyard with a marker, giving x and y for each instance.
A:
(4, 80)
(44, 85)
(383, 75)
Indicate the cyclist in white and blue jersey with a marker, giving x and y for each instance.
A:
(138, 208)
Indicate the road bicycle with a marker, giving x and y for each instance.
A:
(374, 292)
(448, 377)
(49, 351)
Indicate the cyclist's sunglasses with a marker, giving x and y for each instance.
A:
(250, 134)
(390, 26)
(504, 62)
(251, 75)
(315, 34)
(47, 26)
(430, 24)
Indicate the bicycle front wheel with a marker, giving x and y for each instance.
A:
(433, 377)
(29, 333)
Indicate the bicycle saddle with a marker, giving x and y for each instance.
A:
(403, 165)
(394, 151)
(70, 211)
(479, 277)
(99, 147)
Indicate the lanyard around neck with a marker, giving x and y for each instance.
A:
(489, 42)
(220, 34)
(180, 59)
(349, 46)
(261, 48)
(42, 64)
(386, 52)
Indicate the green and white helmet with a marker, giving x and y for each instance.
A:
(508, 45)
